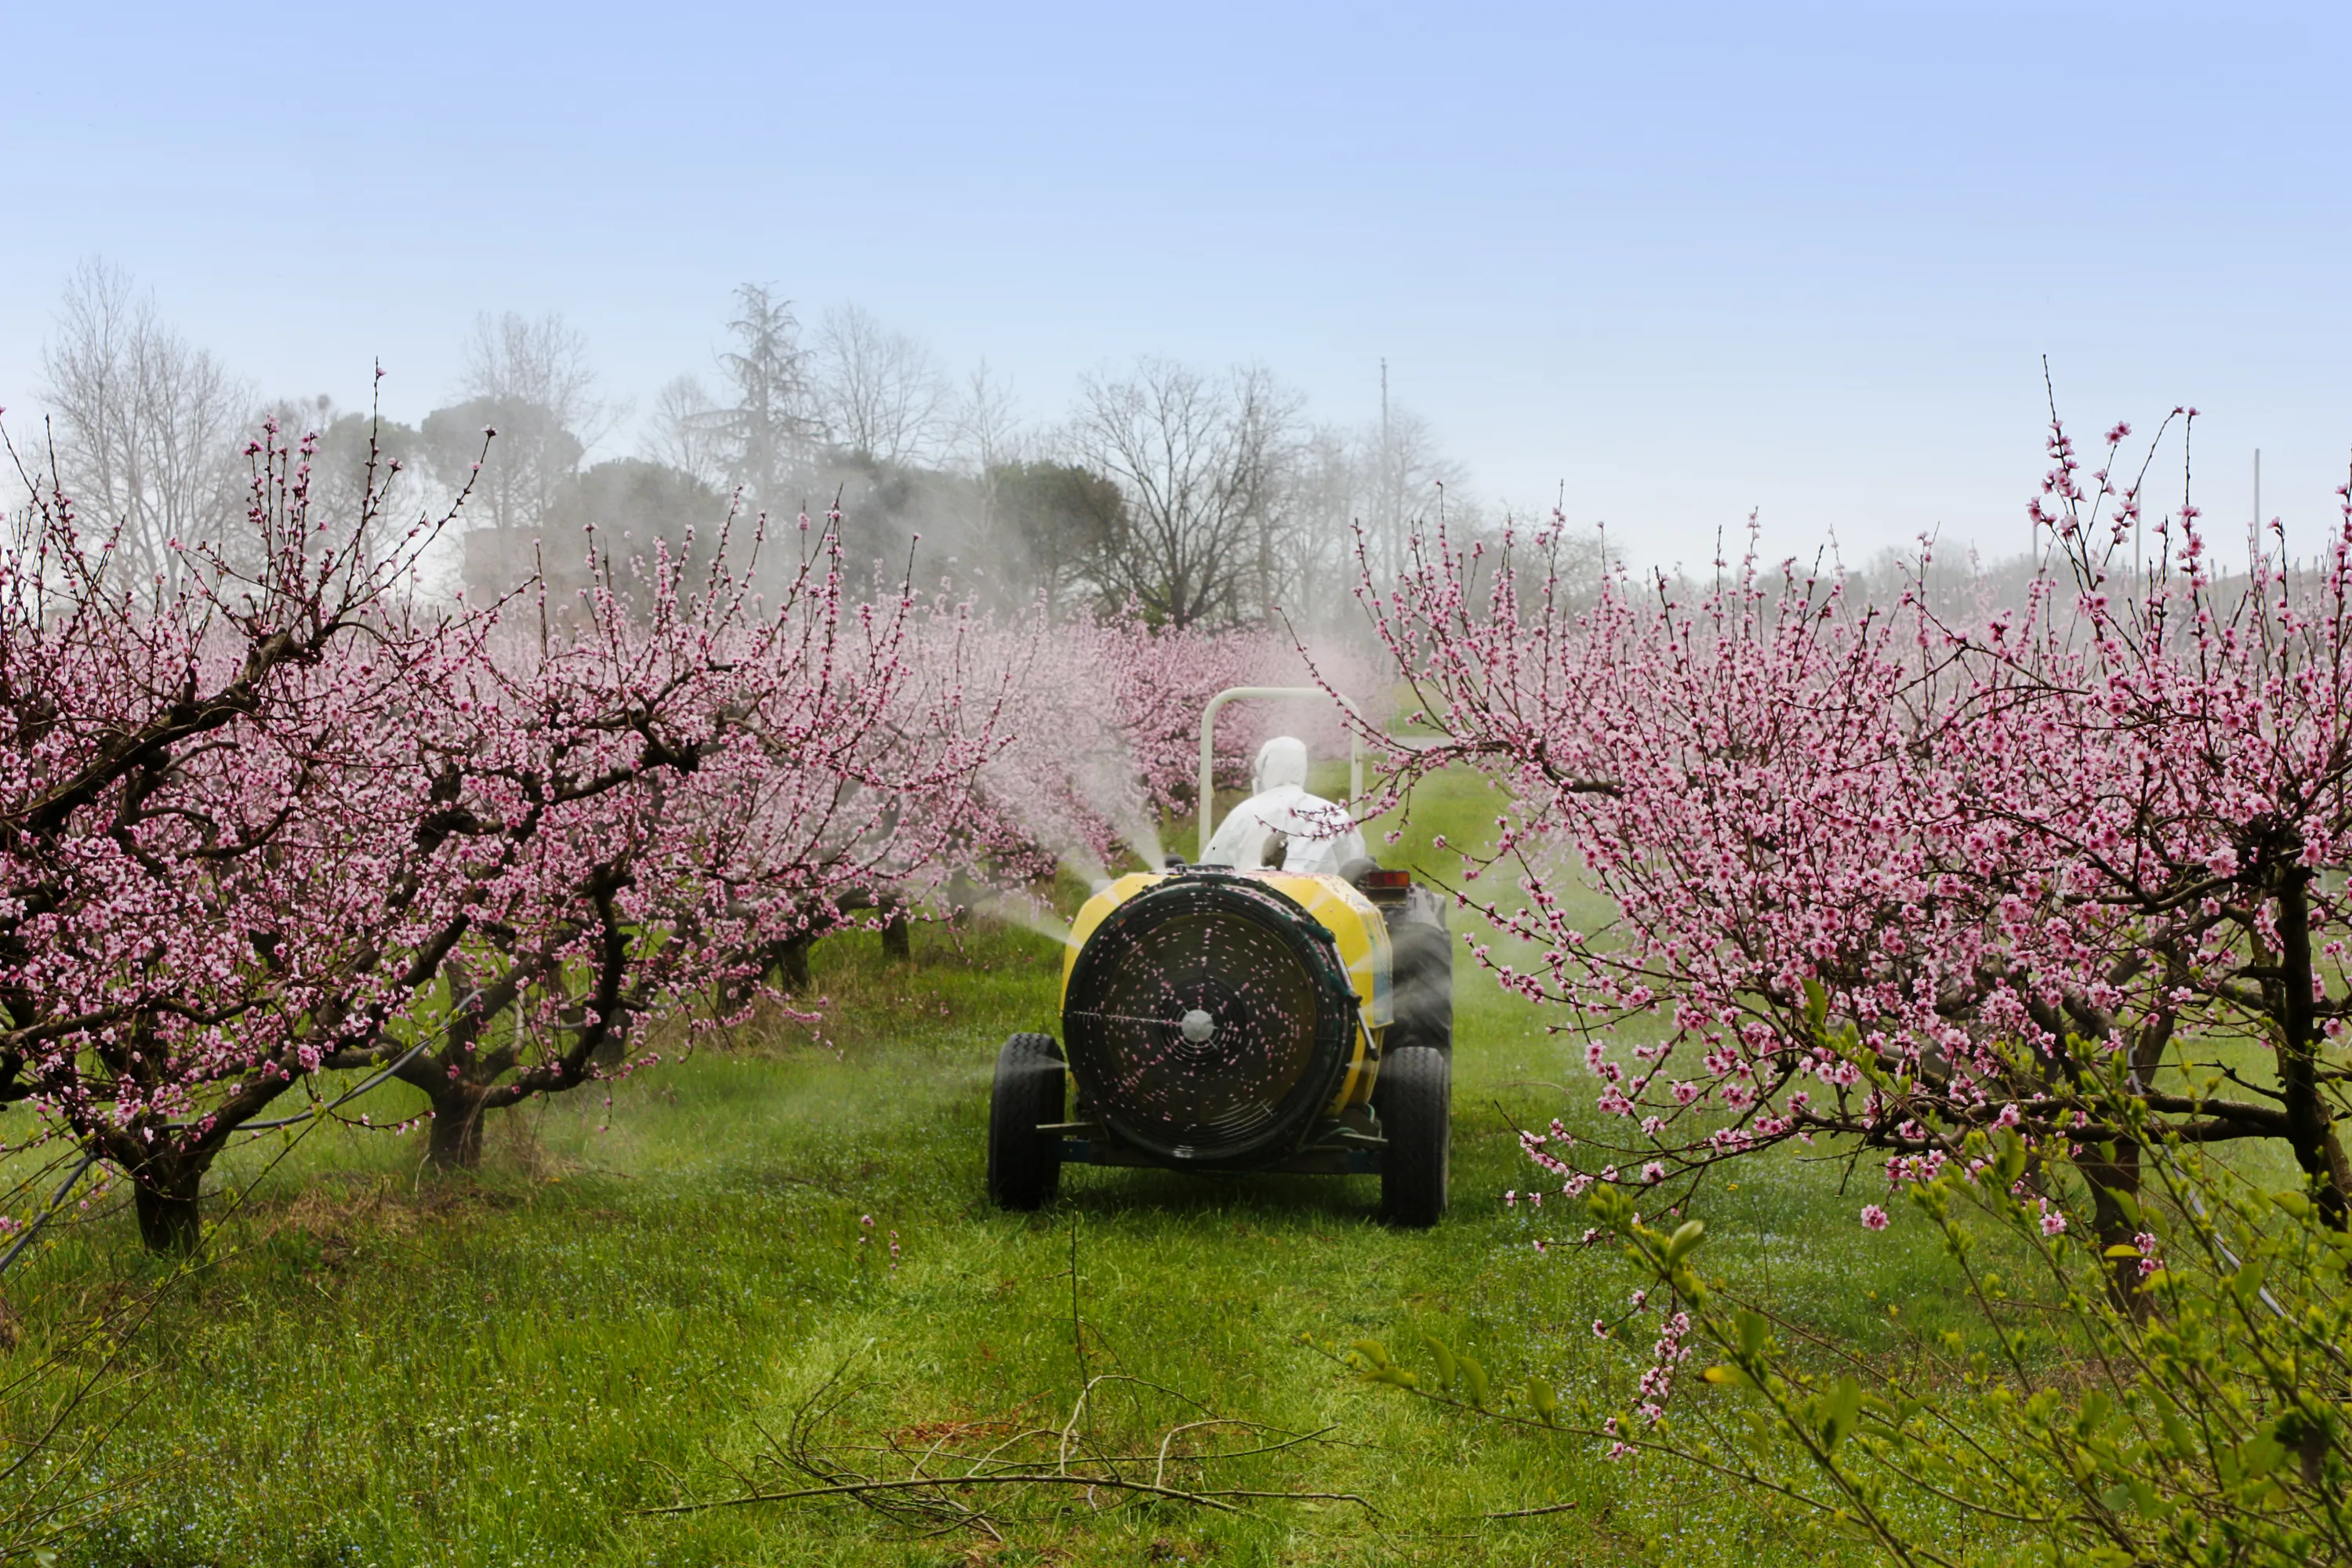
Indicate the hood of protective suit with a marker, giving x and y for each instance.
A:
(1301, 832)
(1281, 761)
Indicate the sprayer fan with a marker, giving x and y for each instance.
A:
(1208, 1019)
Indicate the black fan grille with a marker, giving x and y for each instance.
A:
(1255, 977)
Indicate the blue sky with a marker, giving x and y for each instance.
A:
(1669, 263)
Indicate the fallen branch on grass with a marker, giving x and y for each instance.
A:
(1091, 1482)
(922, 1492)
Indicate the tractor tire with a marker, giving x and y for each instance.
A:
(1417, 1117)
(1423, 968)
(1025, 1165)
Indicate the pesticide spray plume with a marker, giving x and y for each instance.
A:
(1106, 781)
(1014, 909)
(1147, 847)
(1096, 875)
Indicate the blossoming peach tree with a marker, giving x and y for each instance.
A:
(2038, 909)
(276, 820)
(646, 806)
(208, 861)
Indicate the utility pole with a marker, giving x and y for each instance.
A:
(2254, 529)
(1391, 502)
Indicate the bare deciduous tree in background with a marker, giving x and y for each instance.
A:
(988, 435)
(880, 392)
(1400, 472)
(684, 432)
(986, 417)
(517, 359)
(1230, 505)
(530, 380)
(145, 425)
(1386, 476)
(1202, 462)
(1323, 496)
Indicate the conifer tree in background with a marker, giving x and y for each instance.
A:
(767, 434)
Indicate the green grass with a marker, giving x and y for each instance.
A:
(383, 1369)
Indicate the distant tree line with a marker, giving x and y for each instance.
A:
(1203, 499)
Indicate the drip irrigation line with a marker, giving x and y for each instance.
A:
(42, 1218)
(308, 1117)
(331, 1106)
(2220, 1242)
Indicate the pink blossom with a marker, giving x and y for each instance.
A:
(1888, 843)
(339, 802)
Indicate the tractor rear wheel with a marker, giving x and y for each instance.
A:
(1025, 1165)
(1422, 965)
(1416, 1111)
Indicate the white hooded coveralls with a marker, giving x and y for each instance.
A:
(1321, 836)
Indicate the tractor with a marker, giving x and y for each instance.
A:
(1292, 1012)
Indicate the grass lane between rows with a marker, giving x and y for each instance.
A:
(384, 1369)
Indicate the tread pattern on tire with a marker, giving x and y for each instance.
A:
(1417, 1117)
(1424, 970)
(1025, 1166)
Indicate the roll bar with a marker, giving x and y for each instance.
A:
(1208, 791)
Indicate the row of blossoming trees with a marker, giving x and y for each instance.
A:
(285, 819)
(281, 821)
(2037, 907)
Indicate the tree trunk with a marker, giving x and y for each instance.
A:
(2310, 1127)
(896, 937)
(2112, 1227)
(457, 1139)
(789, 961)
(165, 1199)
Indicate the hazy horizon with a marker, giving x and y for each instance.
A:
(1665, 268)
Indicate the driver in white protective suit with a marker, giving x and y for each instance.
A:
(1282, 826)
